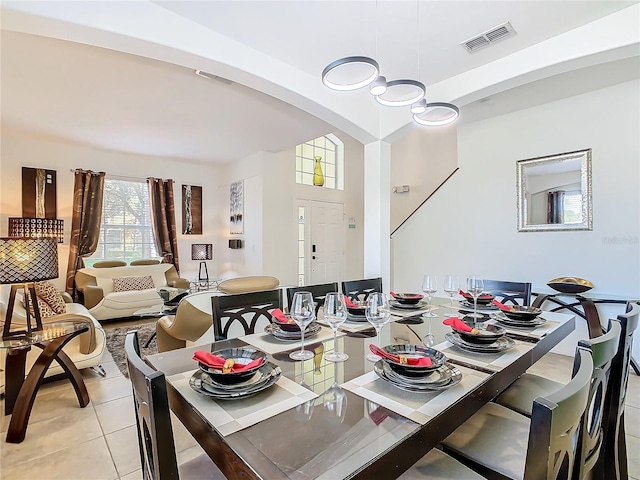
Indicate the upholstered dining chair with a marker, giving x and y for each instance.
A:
(509, 292)
(498, 442)
(615, 448)
(153, 419)
(317, 291)
(522, 393)
(242, 314)
(359, 290)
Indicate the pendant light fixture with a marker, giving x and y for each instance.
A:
(437, 114)
(350, 73)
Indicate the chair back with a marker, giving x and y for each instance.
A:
(555, 425)
(615, 451)
(603, 350)
(359, 290)
(244, 313)
(317, 291)
(509, 292)
(155, 435)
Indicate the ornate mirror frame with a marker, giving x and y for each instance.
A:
(549, 166)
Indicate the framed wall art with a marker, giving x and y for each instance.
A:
(191, 210)
(38, 193)
(236, 207)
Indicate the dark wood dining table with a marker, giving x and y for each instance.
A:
(361, 438)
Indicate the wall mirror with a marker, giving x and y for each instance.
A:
(554, 192)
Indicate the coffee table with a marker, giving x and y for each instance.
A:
(20, 393)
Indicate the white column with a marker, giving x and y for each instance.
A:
(377, 216)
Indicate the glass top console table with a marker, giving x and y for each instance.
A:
(20, 392)
(584, 306)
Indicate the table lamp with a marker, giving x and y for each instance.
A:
(37, 228)
(202, 251)
(24, 261)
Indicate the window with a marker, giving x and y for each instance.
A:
(125, 231)
(330, 149)
(302, 260)
(573, 206)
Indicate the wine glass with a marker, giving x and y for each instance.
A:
(378, 315)
(475, 286)
(335, 313)
(303, 312)
(429, 340)
(451, 287)
(429, 287)
(335, 402)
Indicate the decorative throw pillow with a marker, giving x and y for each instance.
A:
(49, 294)
(126, 284)
(45, 309)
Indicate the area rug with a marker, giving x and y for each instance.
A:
(115, 343)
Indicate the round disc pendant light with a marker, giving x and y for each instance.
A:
(350, 73)
(401, 93)
(437, 114)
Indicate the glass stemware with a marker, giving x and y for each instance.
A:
(429, 287)
(451, 287)
(378, 315)
(429, 340)
(335, 402)
(303, 312)
(335, 313)
(475, 286)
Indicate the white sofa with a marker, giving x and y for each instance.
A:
(96, 287)
(85, 350)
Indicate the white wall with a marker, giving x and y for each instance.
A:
(270, 227)
(24, 150)
(469, 226)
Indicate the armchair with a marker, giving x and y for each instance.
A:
(193, 319)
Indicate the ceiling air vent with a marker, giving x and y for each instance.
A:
(487, 38)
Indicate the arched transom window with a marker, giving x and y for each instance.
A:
(331, 151)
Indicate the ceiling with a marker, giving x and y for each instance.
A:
(153, 104)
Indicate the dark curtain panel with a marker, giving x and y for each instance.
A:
(163, 219)
(555, 207)
(88, 188)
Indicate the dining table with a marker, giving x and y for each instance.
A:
(325, 420)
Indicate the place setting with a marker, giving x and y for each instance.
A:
(414, 381)
(518, 315)
(415, 368)
(233, 373)
(480, 339)
(235, 388)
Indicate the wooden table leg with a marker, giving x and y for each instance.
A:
(26, 397)
(591, 314)
(15, 369)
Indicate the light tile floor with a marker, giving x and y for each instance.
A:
(99, 442)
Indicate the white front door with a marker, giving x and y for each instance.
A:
(327, 238)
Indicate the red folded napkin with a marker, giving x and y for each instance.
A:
(457, 324)
(280, 316)
(349, 303)
(468, 296)
(405, 295)
(416, 362)
(501, 305)
(214, 361)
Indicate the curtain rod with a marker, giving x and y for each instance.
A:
(120, 177)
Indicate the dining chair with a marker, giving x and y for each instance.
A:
(522, 393)
(498, 442)
(615, 448)
(153, 419)
(437, 465)
(318, 292)
(359, 290)
(509, 292)
(244, 313)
